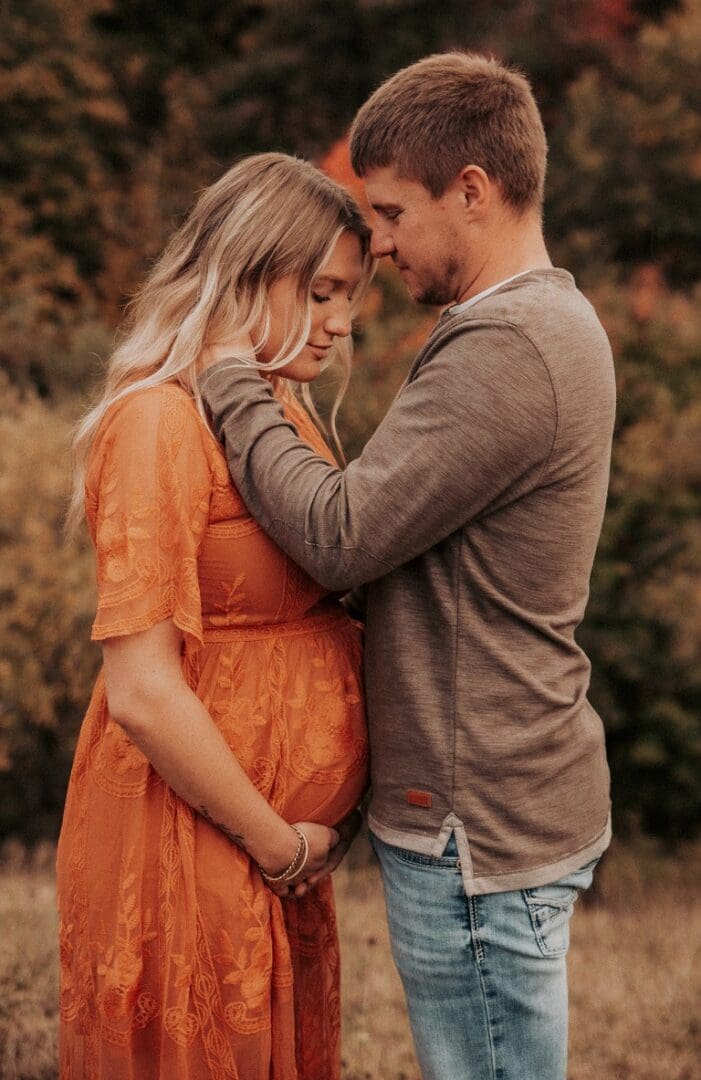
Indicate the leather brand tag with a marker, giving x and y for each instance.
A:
(419, 798)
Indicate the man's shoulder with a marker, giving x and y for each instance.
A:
(544, 308)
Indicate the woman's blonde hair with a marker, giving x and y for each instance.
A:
(268, 217)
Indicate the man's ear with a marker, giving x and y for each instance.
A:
(476, 190)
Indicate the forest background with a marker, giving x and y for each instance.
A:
(113, 113)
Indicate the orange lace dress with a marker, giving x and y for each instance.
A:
(177, 962)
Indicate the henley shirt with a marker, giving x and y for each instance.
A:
(473, 513)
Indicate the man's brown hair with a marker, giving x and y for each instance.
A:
(450, 110)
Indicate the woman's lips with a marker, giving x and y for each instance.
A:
(319, 350)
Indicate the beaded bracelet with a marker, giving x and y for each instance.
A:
(296, 866)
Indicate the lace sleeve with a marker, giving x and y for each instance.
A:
(148, 491)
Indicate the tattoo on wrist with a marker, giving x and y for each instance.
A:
(236, 838)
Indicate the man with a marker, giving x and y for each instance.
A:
(473, 513)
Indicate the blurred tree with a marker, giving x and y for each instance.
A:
(625, 180)
(62, 132)
(309, 64)
(61, 137)
(47, 600)
(113, 112)
(161, 61)
(643, 625)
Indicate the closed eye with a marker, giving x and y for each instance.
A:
(388, 212)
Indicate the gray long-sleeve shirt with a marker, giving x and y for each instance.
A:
(474, 512)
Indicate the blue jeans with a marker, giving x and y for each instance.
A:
(485, 977)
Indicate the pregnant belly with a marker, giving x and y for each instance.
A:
(326, 772)
(291, 709)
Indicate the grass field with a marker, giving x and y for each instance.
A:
(635, 975)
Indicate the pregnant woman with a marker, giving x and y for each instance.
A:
(223, 754)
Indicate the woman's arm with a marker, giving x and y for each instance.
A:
(148, 696)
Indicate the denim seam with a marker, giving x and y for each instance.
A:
(479, 956)
(476, 940)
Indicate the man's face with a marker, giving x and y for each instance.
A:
(423, 236)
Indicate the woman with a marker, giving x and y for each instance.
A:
(225, 736)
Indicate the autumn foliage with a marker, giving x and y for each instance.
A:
(113, 113)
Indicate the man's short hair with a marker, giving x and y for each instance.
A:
(450, 110)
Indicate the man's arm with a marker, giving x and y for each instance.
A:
(473, 429)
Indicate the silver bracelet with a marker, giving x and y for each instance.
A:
(296, 866)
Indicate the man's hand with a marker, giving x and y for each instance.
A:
(347, 831)
(235, 346)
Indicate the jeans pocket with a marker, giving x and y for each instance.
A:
(414, 858)
(550, 909)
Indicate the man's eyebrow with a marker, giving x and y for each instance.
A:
(383, 208)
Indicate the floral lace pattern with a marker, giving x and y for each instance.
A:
(176, 960)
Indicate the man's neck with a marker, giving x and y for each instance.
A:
(511, 250)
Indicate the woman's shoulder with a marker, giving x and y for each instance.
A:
(146, 411)
(155, 420)
(148, 402)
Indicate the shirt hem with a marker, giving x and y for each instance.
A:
(482, 884)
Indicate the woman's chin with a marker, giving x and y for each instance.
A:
(301, 370)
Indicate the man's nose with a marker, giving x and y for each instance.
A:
(381, 243)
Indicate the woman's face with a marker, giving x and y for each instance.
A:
(332, 292)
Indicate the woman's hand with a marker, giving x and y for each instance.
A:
(321, 840)
(346, 831)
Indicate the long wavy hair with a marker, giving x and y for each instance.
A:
(268, 217)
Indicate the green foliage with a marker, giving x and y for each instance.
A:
(625, 179)
(60, 129)
(113, 113)
(643, 625)
(61, 148)
(307, 65)
(46, 662)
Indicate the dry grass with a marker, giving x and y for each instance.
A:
(635, 977)
(634, 974)
(28, 973)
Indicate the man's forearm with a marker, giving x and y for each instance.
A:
(448, 450)
(298, 497)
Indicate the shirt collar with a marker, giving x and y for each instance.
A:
(457, 308)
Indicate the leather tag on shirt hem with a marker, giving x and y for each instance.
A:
(419, 798)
